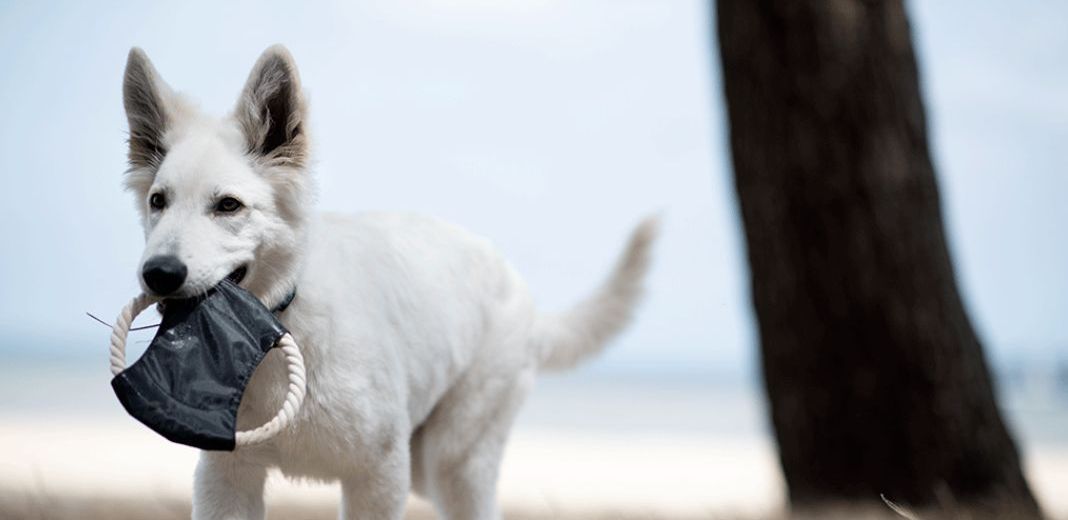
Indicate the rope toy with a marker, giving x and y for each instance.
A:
(297, 380)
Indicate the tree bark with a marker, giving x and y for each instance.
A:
(875, 376)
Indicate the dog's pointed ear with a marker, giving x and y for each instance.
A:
(146, 97)
(271, 110)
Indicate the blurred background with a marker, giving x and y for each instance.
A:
(550, 127)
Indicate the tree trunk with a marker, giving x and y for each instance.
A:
(876, 379)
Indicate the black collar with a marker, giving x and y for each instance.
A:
(284, 304)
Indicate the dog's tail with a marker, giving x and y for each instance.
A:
(565, 339)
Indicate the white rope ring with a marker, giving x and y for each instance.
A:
(294, 365)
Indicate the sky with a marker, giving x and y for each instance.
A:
(549, 126)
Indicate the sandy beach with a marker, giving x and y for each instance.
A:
(50, 465)
(584, 447)
(544, 472)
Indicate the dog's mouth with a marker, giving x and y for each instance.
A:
(234, 277)
(238, 275)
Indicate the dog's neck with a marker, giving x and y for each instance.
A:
(274, 276)
(278, 296)
(284, 304)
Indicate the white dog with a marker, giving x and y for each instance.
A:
(420, 341)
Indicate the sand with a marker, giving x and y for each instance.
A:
(51, 466)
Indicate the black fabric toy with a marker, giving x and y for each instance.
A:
(188, 384)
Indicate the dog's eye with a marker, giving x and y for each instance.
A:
(157, 201)
(228, 205)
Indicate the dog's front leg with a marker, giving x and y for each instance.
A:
(379, 493)
(228, 487)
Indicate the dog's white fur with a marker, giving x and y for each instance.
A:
(420, 341)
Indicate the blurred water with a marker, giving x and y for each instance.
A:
(591, 401)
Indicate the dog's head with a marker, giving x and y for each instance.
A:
(219, 197)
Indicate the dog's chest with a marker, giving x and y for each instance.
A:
(352, 415)
(339, 434)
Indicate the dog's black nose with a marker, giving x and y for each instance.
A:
(164, 274)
